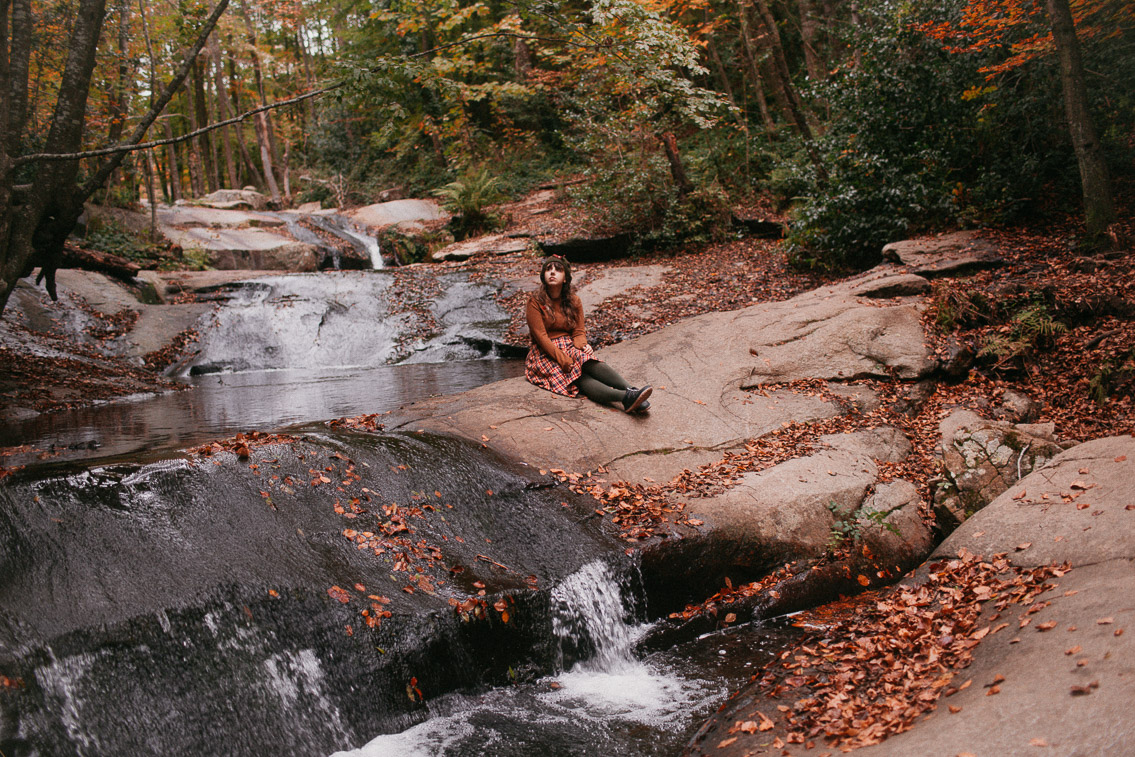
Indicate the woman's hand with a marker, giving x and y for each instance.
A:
(564, 361)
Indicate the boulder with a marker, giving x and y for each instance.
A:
(251, 249)
(701, 370)
(405, 215)
(830, 334)
(215, 218)
(492, 244)
(807, 505)
(982, 458)
(234, 199)
(1062, 665)
(944, 255)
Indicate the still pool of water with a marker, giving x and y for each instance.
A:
(220, 405)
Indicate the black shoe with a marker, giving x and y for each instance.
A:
(634, 398)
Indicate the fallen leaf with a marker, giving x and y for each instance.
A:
(1024, 546)
(1105, 621)
(1038, 742)
(726, 742)
(1046, 626)
(954, 709)
(1073, 650)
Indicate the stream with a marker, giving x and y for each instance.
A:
(152, 603)
(614, 702)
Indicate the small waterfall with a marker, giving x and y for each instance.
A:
(603, 700)
(345, 229)
(590, 620)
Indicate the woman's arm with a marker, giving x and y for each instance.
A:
(579, 333)
(540, 336)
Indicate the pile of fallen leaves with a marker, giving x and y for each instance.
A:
(874, 664)
(413, 291)
(242, 444)
(160, 359)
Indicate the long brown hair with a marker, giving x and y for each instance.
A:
(566, 299)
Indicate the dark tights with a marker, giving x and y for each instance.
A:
(601, 383)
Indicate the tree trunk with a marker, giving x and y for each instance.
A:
(44, 218)
(222, 106)
(35, 221)
(677, 170)
(1099, 208)
(193, 147)
(809, 34)
(263, 125)
(521, 59)
(754, 69)
(201, 116)
(782, 77)
(174, 165)
(251, 171)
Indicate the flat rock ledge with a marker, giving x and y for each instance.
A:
(719, 381)
(1081, 637)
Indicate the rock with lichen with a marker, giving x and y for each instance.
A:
(982, 458)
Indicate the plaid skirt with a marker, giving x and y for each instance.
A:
(546, 373)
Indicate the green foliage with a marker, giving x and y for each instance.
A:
(1113, 376)
(109, 237)
(957, 307)
(917, 138)
(848, 527)
(1029, 329)
(468, 199)
(406, 249)
(639, 196)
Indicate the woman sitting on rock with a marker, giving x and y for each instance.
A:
(560, 359)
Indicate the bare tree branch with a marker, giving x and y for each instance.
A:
(131, 147)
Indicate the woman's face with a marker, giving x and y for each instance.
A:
(554, 276)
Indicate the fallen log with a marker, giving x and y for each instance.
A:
(102, 262)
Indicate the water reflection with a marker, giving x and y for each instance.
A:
(220, 405)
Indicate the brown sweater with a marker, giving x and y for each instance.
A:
(544, 327)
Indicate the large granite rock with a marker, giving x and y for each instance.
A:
(249, 248)
(492, 244)
(234, 199)
(1064, 665)
(944, 255)
(982, 458)
(700, 369)
(405, 215)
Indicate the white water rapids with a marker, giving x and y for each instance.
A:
(610, 703)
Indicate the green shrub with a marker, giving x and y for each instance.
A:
(468, 199)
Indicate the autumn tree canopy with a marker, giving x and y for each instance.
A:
(866, 120)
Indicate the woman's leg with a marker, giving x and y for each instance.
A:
(605, 373)
(597, 391)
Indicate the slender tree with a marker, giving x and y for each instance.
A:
(42, 194)
(1099, 208)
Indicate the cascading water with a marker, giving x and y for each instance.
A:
(343, 228)
(603, 700)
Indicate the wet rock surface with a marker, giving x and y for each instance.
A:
(304, 600)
